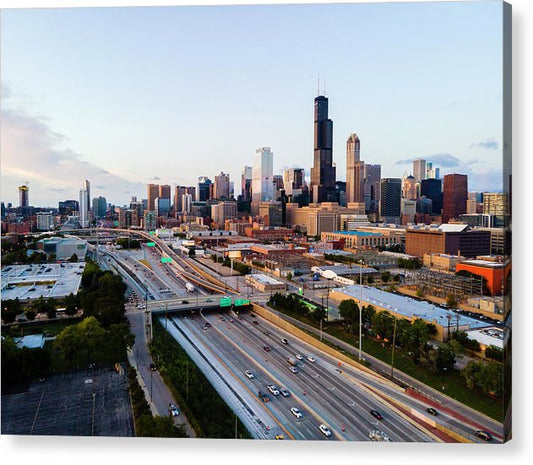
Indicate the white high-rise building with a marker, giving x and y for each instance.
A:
(84, 208)
(354, 170)
(419, 169)
(263, 175)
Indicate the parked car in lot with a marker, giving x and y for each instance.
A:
(249, 374)
(174, 412)
(376, 414)
(324, 430)
(296, 412)
(273, 389)
(432, 411)
(486, 436)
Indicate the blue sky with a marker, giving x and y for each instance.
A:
(128, 96)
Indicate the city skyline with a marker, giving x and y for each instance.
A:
(55, 136)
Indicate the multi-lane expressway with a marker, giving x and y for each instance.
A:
(340, 397)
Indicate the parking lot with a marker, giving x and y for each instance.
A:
(85, 403)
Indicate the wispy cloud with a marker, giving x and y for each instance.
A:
(489, 144)
(445, 160)
(32, 151)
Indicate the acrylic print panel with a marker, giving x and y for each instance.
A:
(189, 250)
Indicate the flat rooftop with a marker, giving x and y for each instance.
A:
(484, 263)
(48, 280)
(264, 279)
(357, 233)
(409, 307)
(341, 270)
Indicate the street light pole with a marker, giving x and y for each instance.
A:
(360, 306)
(393, 344)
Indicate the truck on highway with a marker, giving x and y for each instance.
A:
(189, 287)
(292, 360)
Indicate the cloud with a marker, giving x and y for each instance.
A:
(444, 160)
(32, 151)
(489, 144)
(155, 178)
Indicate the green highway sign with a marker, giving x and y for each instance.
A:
(151, 233)
(150, 244)
(241, 302)
(166, 260)
(225, 302)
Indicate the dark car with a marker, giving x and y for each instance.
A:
(483, 435)
(267, 348)
(432, 411)
(376, 414)
(153, 367)
(255, 322)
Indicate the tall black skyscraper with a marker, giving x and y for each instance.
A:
(391, 195)
(323, 171)
(432, 189)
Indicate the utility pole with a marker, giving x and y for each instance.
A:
(393, 345)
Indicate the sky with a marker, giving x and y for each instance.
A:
(128, 96)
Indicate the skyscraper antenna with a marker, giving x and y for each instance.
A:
(318, 86)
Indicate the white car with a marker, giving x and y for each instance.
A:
(311, 359)
(324, 430)
(284, 392)
(273, 389)
(296, 412)
(299, 356)
(173, 410)
(294, 369)
(249, 374)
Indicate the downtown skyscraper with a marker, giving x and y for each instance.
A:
(455, 195)
(323, 171)
(354, 170)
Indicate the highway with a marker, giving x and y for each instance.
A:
(338, 397)
(319, 390)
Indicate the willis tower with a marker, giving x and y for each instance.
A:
(323, 171)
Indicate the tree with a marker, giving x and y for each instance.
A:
(69, 342)
(71, 304)
(495, 353)
(385, 276)
(490, 379)
(10, 309)
(289, 276)
(118, 338)
(91, 334)
(51, 312)
(192, 252)
(370, 279)
(349, 312)
(438, 360)
(397, 278)
(52, 257)
(30, 314)
(419, 293)
(451, 301)
(469, 373)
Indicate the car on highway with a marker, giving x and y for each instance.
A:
(249, 374)
(376, 414)
(255, 322)
(311, 359)
(296, 412)
(208, 324)
(432, 411)
(174, 412)
(485, 435)
(324, 430)
(273, 389)
(284, 392)
(153, 367)
(284, 341)
(222, 318)
(267, 349)
(205, 327)
(265, 332)
(231, 320)
(293, 369)
(264, 397)
(279, 437)
(299, 356)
